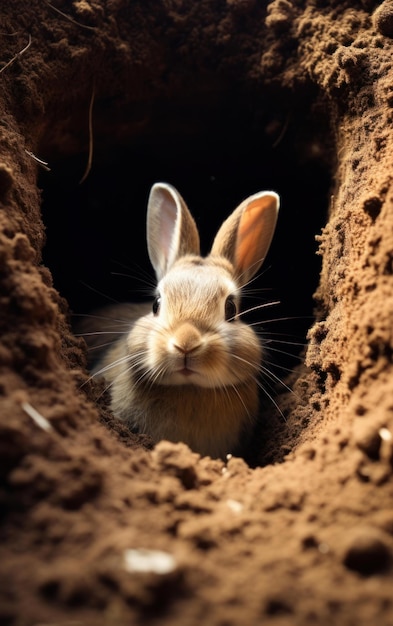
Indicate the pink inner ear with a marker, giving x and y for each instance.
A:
(167, 227)
(254, 233)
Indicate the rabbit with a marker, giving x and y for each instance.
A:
(185, 368)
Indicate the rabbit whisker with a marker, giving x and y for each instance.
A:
(129, 369)
(276, 379)
(99, 346)
(246, 361)
(269, 339)
(110, 384)
(157, 373)
(103, 317)
(110, 366)
(98, 292)
(272, 377)
(254, 308)
(136, 272)
(269, 395)
(285, 319)
(235, 389)
(256, 276)
(277, 366)
(224, 387)
(102, 332)
(278, 351)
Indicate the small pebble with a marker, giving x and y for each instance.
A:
(367, 552)
(367, 438)
(6, 180)
(383, 18)
(149, 561)
(235, 506)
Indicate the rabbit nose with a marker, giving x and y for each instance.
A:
(186, 339)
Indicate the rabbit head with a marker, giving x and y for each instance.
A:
(194, 335)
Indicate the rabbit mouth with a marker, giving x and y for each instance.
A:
(186, 371)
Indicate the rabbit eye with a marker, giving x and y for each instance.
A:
(230, 309)
(156, 305)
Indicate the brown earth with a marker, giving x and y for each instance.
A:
(221, 98)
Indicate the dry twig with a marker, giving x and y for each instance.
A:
(40, 162)
(69, 18)
(17, 56)
(39, 419)
(90, 157)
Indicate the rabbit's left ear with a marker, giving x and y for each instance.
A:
(245, 237)
(171, 230)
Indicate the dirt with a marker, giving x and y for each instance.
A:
(97, 526)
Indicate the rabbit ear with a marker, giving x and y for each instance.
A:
(171, 230)
(245, 237)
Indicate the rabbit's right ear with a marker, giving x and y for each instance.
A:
(245, 236)
(171, 230)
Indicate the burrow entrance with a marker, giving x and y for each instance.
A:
(216, 147)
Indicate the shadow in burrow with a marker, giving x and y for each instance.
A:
(215, 156)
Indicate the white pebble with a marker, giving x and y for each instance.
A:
(385, 434)
(235, 506)
(149, 561)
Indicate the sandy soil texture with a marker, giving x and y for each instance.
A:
(220, 98)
